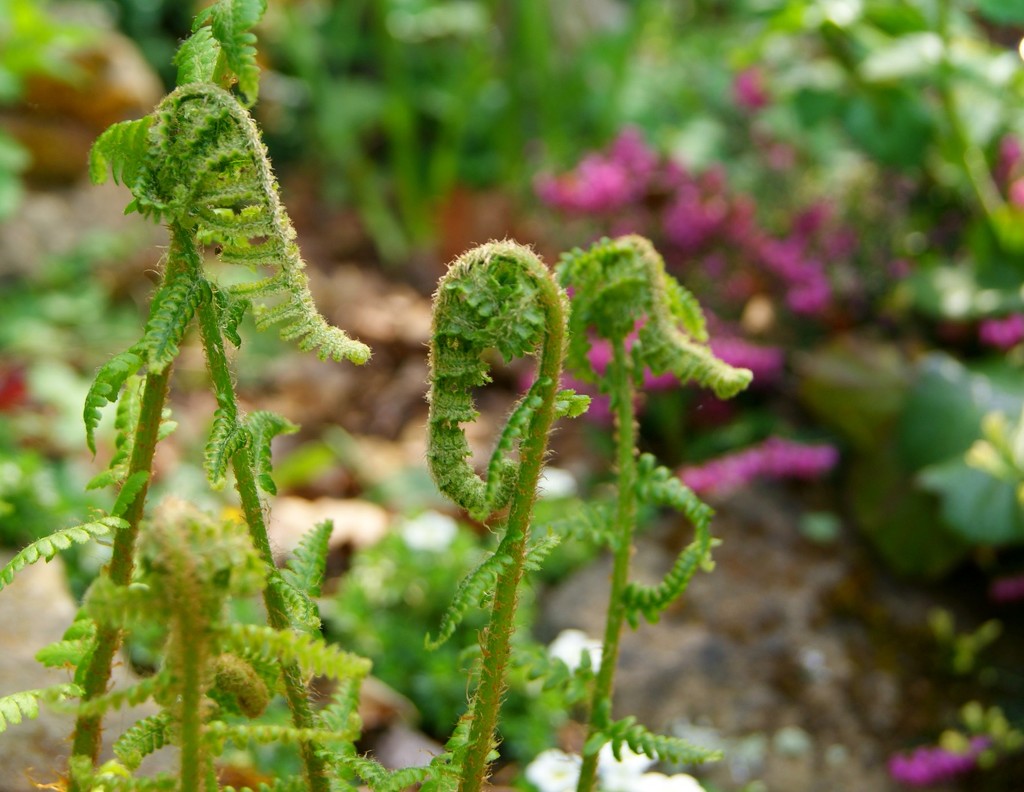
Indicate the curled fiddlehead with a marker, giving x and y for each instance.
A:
(622, 295)
(498, 296)
(197, 164)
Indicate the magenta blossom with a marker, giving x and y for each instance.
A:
(765, 362)
(933, 765)
(776, 457)
(1002, 333)
(748, 89)
(1007, 589)
(603, 183)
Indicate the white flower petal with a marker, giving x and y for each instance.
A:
(569, 646)
(554, 771)
(429, 532)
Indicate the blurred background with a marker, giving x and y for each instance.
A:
(840, 183)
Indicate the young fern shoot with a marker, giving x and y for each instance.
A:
(197, 164)
(620, 288)
(497, 296)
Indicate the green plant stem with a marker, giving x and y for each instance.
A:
(245, 485)
(88, 728)
(973, 160)
(496, 640)
(620, 375)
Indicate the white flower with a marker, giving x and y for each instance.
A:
(430, 532)
(622, 775)
(570, 645)
(556, 483)
(659, 782)
(554, 771)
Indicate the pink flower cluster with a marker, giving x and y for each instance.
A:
(933, 765)
(1002, 333)
(1007, 589)
(703, 226)
(776, 457)
(748, 89)
(602, 183)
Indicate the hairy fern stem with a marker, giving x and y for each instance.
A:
(88, 727)
(211, 333)
(621, 389)
(497, 296)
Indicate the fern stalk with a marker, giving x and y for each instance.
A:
(245, 484)
(496, 640)
(88, 728)
(620, 385)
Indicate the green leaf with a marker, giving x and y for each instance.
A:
(143, 738)
(263, 427)
(132, 486)
(47, 547)
(123, 149)
(956, 398)
(305, 569)
(197, 57)
(901, 522)
(1003, 12)
(108, 383)
(981, 509)
(231, 21)
(25, 705)
(891, 124)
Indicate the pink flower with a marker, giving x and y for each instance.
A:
(774, 458)
(1016, 192)
(602, 183)
(748, 89)
(932, 765)
(765, 362)
(1002, 333)
(1007, 589)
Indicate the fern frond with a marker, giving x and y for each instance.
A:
(132, 486)
(341, 715)
(295, 783)
(65, 653)
(539, 549)
(47, 547)
(242, 733)
(491, 298)
(112, 776)
(656, 484)
(237, 677)
(305, 569)
(25, 704)
(227, 438)
(111, 604)
(231, 21)
(131, 696)
(263, 427)
(380, 779)
(302, 611)
(313, 654)
(108, 383)
(471, 591)
(661, 748)
(123, 149)
(143, 738)
(589, 522)
(196, 58)
(231, 310)
(570, 404)
(622, 283)
(171, 312)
